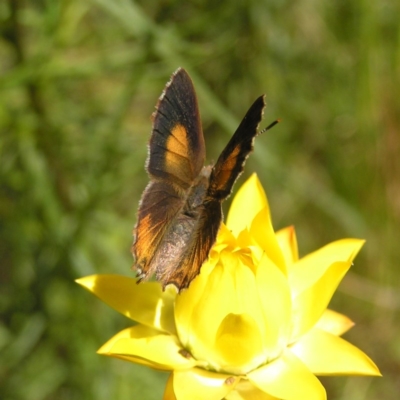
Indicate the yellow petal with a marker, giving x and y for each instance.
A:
(169, 389)
(276, 304)
(310, 268)
(238, 343)
(314, 279)
(309, 305)
(225, 239)
(245, 240)
(328, 354)
(245, 390)
(146, 343)
(199, 384)
(186, 302)
(334, 322)
(145, 303)
(246, 204)
(263, 233)
(288, 378)
(288, 243)
(136, 360)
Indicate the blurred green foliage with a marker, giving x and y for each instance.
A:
(79, 81)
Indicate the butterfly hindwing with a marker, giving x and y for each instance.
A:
(197, 249)
(159, 206)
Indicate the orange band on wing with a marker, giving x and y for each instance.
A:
(177, 154)
(177, 142)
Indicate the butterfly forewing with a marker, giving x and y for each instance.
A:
(176, 149)
(231, 161)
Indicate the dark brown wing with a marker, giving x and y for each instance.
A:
(176, 156)
(231, 161)
(176, 149)
(159, 206)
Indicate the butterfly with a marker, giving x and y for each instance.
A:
(180, 211)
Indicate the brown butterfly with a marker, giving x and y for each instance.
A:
(180, 210)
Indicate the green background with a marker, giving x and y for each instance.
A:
(79, 81)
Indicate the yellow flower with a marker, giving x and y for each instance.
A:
(253, 325)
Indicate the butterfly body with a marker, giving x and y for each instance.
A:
(181, 208)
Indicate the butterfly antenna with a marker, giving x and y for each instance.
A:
(271, 125)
